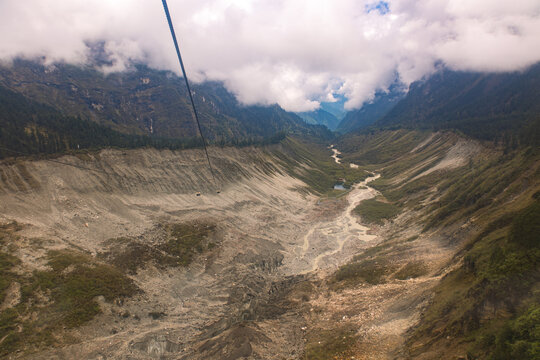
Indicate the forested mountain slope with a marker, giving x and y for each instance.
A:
(144, 101)
(371, 111)
(27, 127)
(491, 106)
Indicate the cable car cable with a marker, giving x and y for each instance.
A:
(171, 27)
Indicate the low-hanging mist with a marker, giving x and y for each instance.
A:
(294, 53)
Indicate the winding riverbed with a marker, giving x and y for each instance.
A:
(336, 154)
(331, 243)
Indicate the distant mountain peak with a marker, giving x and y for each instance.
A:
(320, 117)
(373, 110)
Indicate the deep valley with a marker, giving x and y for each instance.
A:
(119, 258)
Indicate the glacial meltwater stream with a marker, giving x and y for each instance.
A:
(331, 243)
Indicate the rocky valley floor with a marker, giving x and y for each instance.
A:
(270, 277)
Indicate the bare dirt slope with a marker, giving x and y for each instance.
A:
(263, 251)
(267, 290)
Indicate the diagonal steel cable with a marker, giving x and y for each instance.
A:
(171, 27)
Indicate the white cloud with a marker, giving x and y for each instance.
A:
(292, 52)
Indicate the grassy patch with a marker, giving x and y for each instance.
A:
(186, 240)
(379, 147)
(484, 295)
(182, 243)
(380, 249)
(416, 190)
(376, 212)
(481, 186)
(330, 344)
(129, 255)
(63, 297)
(371, 271)
(312, 163)
(412, 270)
(74, 283)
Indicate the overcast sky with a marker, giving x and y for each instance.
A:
(293, 52)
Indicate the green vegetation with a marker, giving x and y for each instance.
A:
(52, 300)
(464, 190)
(129, 255)
(371, 271)
(330, 344)
(390, 154)
(376, 212)
(519, 338)
(74, 283)
(312, 163)
(470, 189)
(379, 147)
(65, 296)
(497, 107)
(54, 111)
(28, 128)
(525, 229)
(499, 272)
(487, 305)
(186, 240)
(182, 242)
(412, 192)
(412, 270)
(31, 128)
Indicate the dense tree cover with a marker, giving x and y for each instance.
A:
(497, 107)
(27, 127)
(145, 101)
